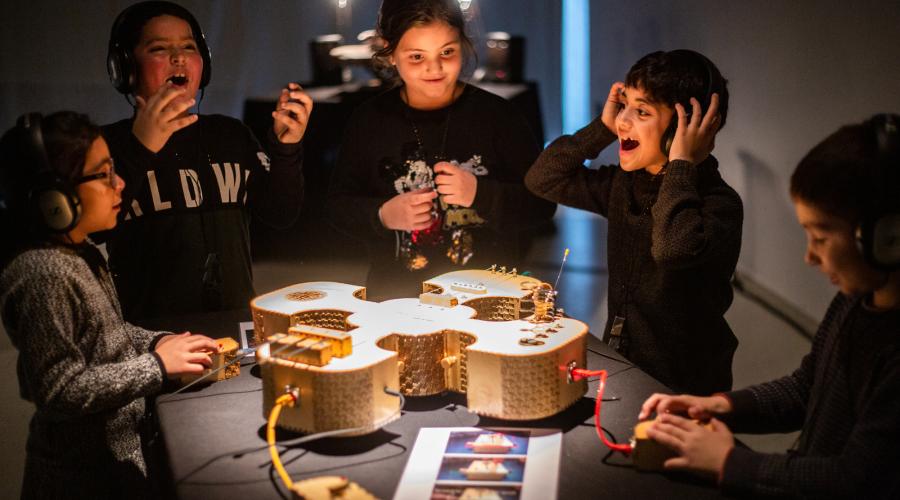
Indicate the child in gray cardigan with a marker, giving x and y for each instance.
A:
(85, 369)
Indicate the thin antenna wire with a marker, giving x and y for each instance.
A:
(565, 256)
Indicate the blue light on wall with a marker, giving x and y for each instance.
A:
(576, 62)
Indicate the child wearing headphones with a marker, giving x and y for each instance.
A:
(674, 231)
(83, 366)
(429, 174)
(844, 395)
(193, 181)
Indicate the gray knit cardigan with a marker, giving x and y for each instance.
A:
(85, 369)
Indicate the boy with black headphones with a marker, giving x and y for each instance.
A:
(193, 181)
(674, 231)
(845, 396)
(84, 367)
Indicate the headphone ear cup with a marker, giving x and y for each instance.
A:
(206, 55)
(665, 142)
(879, 241)
(55, 205)
(119, 68)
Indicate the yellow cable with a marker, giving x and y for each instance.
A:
(285, 399)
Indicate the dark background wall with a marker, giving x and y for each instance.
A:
(797, 69)
(54, 51)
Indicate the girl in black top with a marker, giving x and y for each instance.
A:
(430, 173)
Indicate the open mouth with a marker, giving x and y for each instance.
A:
(629, 144)
(178, 80)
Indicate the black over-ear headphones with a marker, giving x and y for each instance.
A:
(878, 234)
(715, 84)
(52, 201)
(120, 63)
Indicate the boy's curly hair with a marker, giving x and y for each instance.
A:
(676, 76)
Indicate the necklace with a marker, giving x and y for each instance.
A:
(415, 128)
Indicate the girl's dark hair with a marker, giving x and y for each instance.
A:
(397, 16)
(676, 76)
(67, 137)
(847, 175)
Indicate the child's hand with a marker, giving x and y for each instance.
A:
(408, 211)
(696, 407)
(695, 138)
(160, 116)
(614, 103)
(700, 448)
(455, 185)
(185, 353)
(291, 114)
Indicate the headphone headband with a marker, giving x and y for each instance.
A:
(715, 84)
(52, 202)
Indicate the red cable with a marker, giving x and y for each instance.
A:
(579, 373)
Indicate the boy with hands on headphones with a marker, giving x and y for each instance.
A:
(844, 395)
(194, 181)
(674, 231)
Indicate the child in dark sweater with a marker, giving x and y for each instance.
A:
(844, 395)
(674, 224)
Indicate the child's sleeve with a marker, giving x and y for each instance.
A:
(691, 228)
(559, 174)
(59, 379)
(865, 467)
(144, 340)
(503, 200)
(276, 182)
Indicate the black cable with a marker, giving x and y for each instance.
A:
(607, 356)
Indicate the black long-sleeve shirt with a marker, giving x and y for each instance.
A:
(845, 396)
(673, 243)
(381, 157)
(190, 205)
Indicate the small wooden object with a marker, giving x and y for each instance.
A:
(329, 488)
(227, 350)
(650, 455)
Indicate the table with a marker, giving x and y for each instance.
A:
(204, 430)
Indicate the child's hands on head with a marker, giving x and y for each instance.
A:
(408, 211)
(185, 353)
(455, 185)
(160, 116)
(291, 114)
(696, 407)
(695, 136)
(614, 103)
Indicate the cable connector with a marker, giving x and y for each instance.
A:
(294, 393)
(570, 372)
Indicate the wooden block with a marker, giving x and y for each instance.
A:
(438, 299)
(649, 455)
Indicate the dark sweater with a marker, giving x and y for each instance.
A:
(380, 157)
(85, 369)
(673, 243)
(846, 398)
(191, 199)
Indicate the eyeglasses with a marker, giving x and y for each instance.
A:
(111, 177)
